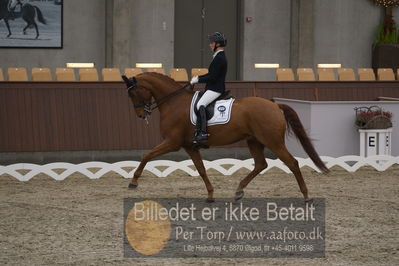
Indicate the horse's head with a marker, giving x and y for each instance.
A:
(139, 95)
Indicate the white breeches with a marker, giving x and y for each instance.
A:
(208, 97)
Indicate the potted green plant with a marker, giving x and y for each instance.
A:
(385, 51)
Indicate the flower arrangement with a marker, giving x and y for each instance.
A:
(373, 117)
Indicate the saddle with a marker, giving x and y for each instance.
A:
(210, 109)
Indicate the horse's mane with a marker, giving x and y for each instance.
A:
(164, 78)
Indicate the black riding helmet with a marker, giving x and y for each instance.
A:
(219, 38)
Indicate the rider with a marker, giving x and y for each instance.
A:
(11, 9)
(214, 83)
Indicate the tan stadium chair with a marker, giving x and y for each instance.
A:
(198, 71)
(17, 74)
(346, 74)
(284, 74)
(179, 74)
(305, 74)
(111, 74)
(1, 75)
(326, 74)
(65, 74)
(88, 74)
(132, 72)
(366, 74)
(397, 74)
(385, 74)
(41, 74)
(156, 70)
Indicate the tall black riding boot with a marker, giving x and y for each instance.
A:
(201, 134)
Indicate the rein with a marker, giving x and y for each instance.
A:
(151, 106)
(167, 97)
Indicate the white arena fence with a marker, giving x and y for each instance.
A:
(95, 170)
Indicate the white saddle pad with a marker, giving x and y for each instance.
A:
(222, 112)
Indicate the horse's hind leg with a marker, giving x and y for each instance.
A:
(286, 157)
(197, 160)
(37, 30)
(256, 148)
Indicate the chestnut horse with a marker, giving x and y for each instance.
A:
(260, 122)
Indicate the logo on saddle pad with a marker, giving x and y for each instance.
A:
(221, 113)
(222, 109)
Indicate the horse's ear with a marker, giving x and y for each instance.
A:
(126, 80)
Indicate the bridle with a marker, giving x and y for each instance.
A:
(149, 106)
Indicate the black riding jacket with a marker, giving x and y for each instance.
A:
(216, 75)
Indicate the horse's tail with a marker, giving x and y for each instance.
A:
(295, 124)
(40, 15)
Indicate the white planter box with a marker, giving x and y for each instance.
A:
(375, 142)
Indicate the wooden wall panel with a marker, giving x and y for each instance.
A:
(81, 116)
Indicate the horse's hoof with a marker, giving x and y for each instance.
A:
(239, 195)
(309, 200)
(210, 200)
(132, 186)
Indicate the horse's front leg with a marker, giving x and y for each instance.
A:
(197, 160)
(165, 147)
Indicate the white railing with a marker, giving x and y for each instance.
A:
(95, 170)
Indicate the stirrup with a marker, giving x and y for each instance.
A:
(200, 137)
